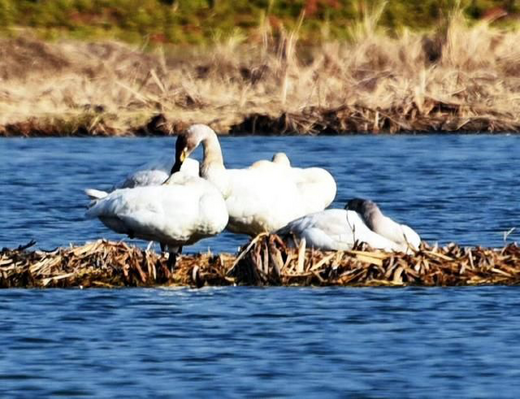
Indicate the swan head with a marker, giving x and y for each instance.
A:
(281, 158)
(366, 208)
(188, 141)
(361, 206)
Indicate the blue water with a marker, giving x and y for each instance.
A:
(448, 188)
(274, 342)
(278, 342)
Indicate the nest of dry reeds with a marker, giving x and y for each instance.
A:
(266, 260)
(106, 264)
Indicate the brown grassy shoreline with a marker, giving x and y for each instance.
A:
(458, 78)
(265, 261)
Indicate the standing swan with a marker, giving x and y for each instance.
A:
(263, 197)
(182, 211)
(339, 229)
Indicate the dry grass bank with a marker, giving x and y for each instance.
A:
(458, 78)
(264, 261)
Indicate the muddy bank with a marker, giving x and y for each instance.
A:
(455, 78)
(339, 121)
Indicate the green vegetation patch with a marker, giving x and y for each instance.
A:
(197, 21)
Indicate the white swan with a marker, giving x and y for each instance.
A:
(316, 185)
(333, 230)
(182, 211)
(339, 229)
(155, 173)
(404, 236)
(263, 197)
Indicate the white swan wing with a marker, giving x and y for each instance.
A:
(261, 200)
(155, 173)
(401, 234)
(94, 194)
(172, 214)
(411, 237)
(335, 229)
(317, 187)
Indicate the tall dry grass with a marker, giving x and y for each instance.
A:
(458, 77)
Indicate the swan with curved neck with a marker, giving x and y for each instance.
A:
(339, 229)
(333, 230)
(258, 198)
(181, 211)
(404, 236)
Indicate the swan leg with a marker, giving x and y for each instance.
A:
(172, 258)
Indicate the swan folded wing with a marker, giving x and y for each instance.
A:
(169, 214)
(404, 236)
(94, 194)
(261, 200)
(335, 229)
(317, 187)
(142, 178)
(155, 173)
(325, 230)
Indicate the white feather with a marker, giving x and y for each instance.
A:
(175, 214)
(268, 194)
(335, 229)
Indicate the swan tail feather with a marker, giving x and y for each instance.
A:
(94, 194)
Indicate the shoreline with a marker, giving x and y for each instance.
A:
(456, 78)
(322, 122)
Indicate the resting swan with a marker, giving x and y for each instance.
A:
(404, 236)
(339, 229)
(182, 211)
(263, 197)
(155, 173)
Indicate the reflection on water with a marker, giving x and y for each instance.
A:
(277, 342)
(449, 188)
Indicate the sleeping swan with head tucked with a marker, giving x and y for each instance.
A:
(339, 229)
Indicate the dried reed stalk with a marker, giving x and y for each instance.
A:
(430, 266)
(266, 260)
(459, 77)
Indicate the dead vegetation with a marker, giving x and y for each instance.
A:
(265, 261)
(456, 78)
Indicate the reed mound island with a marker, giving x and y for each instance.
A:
(459, 76)
(264, 261)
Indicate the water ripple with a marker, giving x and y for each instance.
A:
(449, 188)
(281, 342)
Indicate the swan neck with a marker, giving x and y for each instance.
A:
(212, 157)
(374, 219)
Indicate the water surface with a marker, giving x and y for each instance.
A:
(275, 342)
(449, 188)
